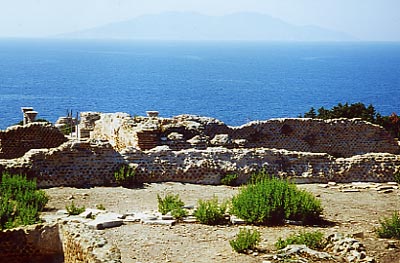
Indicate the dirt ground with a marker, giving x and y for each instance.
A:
(351, 213)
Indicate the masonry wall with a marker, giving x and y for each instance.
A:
(54, 243)
(80, 244)
(86, 164)
(35, 244)
(17, 140)
(78, 164)
(338, 137)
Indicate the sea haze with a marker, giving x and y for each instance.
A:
(232, 81)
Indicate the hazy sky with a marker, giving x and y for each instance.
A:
(364, 19)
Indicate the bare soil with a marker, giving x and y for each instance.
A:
(351, 213)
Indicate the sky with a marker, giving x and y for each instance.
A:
(370, 20)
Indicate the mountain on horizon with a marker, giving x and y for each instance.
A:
(192, 26)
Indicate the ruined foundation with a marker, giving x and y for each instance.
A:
(56, 243)
(195, 149)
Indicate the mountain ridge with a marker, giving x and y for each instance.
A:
(193, 26)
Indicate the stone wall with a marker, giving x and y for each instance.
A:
(203, 150)
(81, 244)
(17, 140)
(53, 243)
(83, 164)
(35, 244)
(338, 137)
(74, 163)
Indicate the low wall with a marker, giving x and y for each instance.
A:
(83, 164)
(17, 140)
(337, 137)
(53, 243)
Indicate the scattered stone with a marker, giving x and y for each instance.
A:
(391, 244)
(350, 190)
(237, 221)
(159, 222)
(106, 220)
(358, 235)
(167, 217)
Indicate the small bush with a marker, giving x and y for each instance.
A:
(100, 207)
(20, 201)
(245, 240)
(229, 179)
(269, 201)
(179, 213)
(169, 203)
(74, 210)
(126, 176)
(210, 212)
(314, 240)
(396, 177)
(390, 227)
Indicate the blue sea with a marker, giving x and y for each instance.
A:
(231, 81)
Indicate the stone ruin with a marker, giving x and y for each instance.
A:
(195, 149)
(66, 242)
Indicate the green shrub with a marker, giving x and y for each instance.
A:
(20, 201)
(100, 207)
(314, 240)
(126, 176)
(396, 177)
(269, 201)
(390, 227)
(169, 203)
(179, 213)
(74, 210)
(245, 240)
(229, 179)
(210, 212)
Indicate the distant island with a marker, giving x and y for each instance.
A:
(196, 27)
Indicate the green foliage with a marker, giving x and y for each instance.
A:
(358, 110)
(126, 176)
(229, 179)
(169, 203)
(259, 176)
(20, 201)
(396, 177)
(100, 207)
(269, 201)
(179, 213)
(245, 240)
(314, 240)
(390, 227)
(210, 212)
(74, 210)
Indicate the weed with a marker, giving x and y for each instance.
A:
(126, 176)
(100, 207)
(390, 227)
(74, 210)
(179, 213)
(314, 240)
(20, 201)
(229, 179)
(245, 240)
(269, 201)
(396, 177)
(210, 212)
(169, 203)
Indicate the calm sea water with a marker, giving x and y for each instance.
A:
(234, 82)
